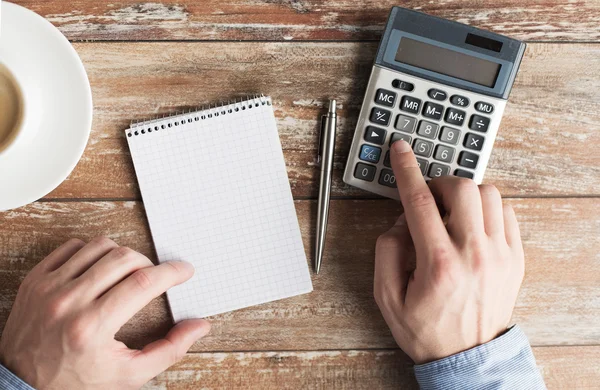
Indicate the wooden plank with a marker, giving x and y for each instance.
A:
(307, 19)
(545, 147)
(560, 291)
(561, 367)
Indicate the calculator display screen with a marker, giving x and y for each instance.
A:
(447, 62)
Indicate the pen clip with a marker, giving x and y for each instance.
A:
(321, 136)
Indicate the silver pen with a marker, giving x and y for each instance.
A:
(327, 148)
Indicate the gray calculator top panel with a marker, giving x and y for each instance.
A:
(404, 22)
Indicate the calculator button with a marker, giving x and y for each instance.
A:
(479, 123)
(410, 104)
(428, 129)
(403, 85)
(473, 141)
(486, 108)
(406, 123)
(380, 116)
(422, 165)
(438, 170)
(449, 135)
(398, 137)
(385, 97)
(461, 173)
(436, 94)
(444, 153)
(375, 135)
(433, 110)
(460, 101)
(423, 148)
(387, 178)
(370, 153)
(365, 172)
(386, 160)
(455, 117)
(468, 160)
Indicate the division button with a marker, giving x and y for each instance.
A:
(479, 123)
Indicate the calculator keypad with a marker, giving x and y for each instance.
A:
(448, 131)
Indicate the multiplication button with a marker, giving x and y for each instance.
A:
(473, 141)
(385, 97)
(365, 172)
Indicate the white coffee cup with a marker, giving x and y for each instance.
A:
(21, 83)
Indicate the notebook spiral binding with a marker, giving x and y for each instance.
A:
(204, 113)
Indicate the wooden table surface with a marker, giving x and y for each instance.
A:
(146, 59)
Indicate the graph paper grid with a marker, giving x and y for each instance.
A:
(216, 193)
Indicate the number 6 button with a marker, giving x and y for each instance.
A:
(444, 153)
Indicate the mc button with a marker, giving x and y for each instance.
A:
(385, 97)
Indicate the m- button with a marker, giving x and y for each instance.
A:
(385, 97)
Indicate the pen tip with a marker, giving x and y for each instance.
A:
(332, 106)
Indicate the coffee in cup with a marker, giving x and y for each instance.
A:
(11, 108)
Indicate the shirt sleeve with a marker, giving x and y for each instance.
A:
(506, 362)
(9, 381)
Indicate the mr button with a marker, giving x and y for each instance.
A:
(385, 97)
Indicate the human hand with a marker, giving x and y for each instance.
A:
(445, 289)
(60, 332)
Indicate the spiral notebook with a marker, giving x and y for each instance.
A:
(216, 193)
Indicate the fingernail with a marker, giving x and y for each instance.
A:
(401, 146)
(188, 266)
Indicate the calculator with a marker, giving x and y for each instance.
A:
(442, 87)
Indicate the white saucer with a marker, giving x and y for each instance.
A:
(60, 130)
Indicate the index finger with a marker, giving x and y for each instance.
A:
(422, 215)
(124, 300)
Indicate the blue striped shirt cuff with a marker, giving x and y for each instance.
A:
(506, 362)
(9, 381)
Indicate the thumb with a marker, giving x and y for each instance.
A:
(156, 357)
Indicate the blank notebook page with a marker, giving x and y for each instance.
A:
(216, 193)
